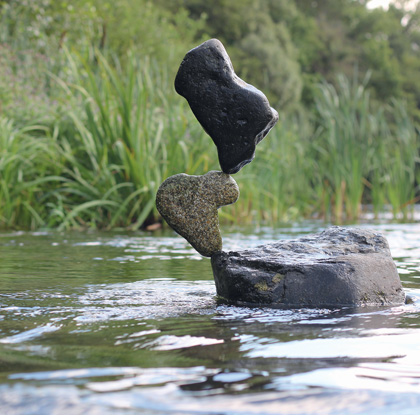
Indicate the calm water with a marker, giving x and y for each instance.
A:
(108, 323)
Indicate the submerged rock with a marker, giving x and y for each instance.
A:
(236, 115)
(189, 205)
(338, 267)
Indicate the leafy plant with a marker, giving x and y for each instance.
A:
(128, 136)
(29, 173)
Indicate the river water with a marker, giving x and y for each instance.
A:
(115, 323)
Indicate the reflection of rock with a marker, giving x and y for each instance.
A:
(336, 267)
(189, 204)
(236, 115)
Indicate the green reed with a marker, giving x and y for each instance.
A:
(399, 171)
(129, 134)
(363, 152)
(276, 186)
(121, 130)
(29, 171)
(345, 144)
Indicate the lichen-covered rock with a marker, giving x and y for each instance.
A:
(189, 205)
(236, 115)
(338, 267)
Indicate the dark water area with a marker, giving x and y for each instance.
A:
(114, 323)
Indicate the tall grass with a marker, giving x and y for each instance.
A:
(277, 186)
(363, 152)
(400, 171)
(114, 132)
(345, 144)
(29, 171)
(128, 136)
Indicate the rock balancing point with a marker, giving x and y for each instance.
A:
(236, 115)
(189, 205)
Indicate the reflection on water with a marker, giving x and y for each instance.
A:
(99, 323)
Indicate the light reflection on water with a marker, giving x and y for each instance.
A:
(100, 323)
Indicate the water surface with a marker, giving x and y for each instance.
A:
(114, 323)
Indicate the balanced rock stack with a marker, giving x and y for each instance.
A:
(338, 267)
(237, 117)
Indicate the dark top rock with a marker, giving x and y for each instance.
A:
(340, 266)
(189, 204)
(236, 115)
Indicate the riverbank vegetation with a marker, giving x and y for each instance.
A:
(90, 124)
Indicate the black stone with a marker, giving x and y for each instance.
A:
(236, 115)
(338, 267)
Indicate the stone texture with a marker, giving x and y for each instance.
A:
(338, 267)
(189, 205)
(236, 115)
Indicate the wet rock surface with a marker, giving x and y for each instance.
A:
(189, 205)
(236, 115)
(338, 267)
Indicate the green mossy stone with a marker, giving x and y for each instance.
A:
(189, 205)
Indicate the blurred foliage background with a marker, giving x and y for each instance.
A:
(90, 124)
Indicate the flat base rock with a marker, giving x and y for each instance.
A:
(338, 267)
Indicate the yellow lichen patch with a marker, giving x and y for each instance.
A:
(277, 278)
(261, 286)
